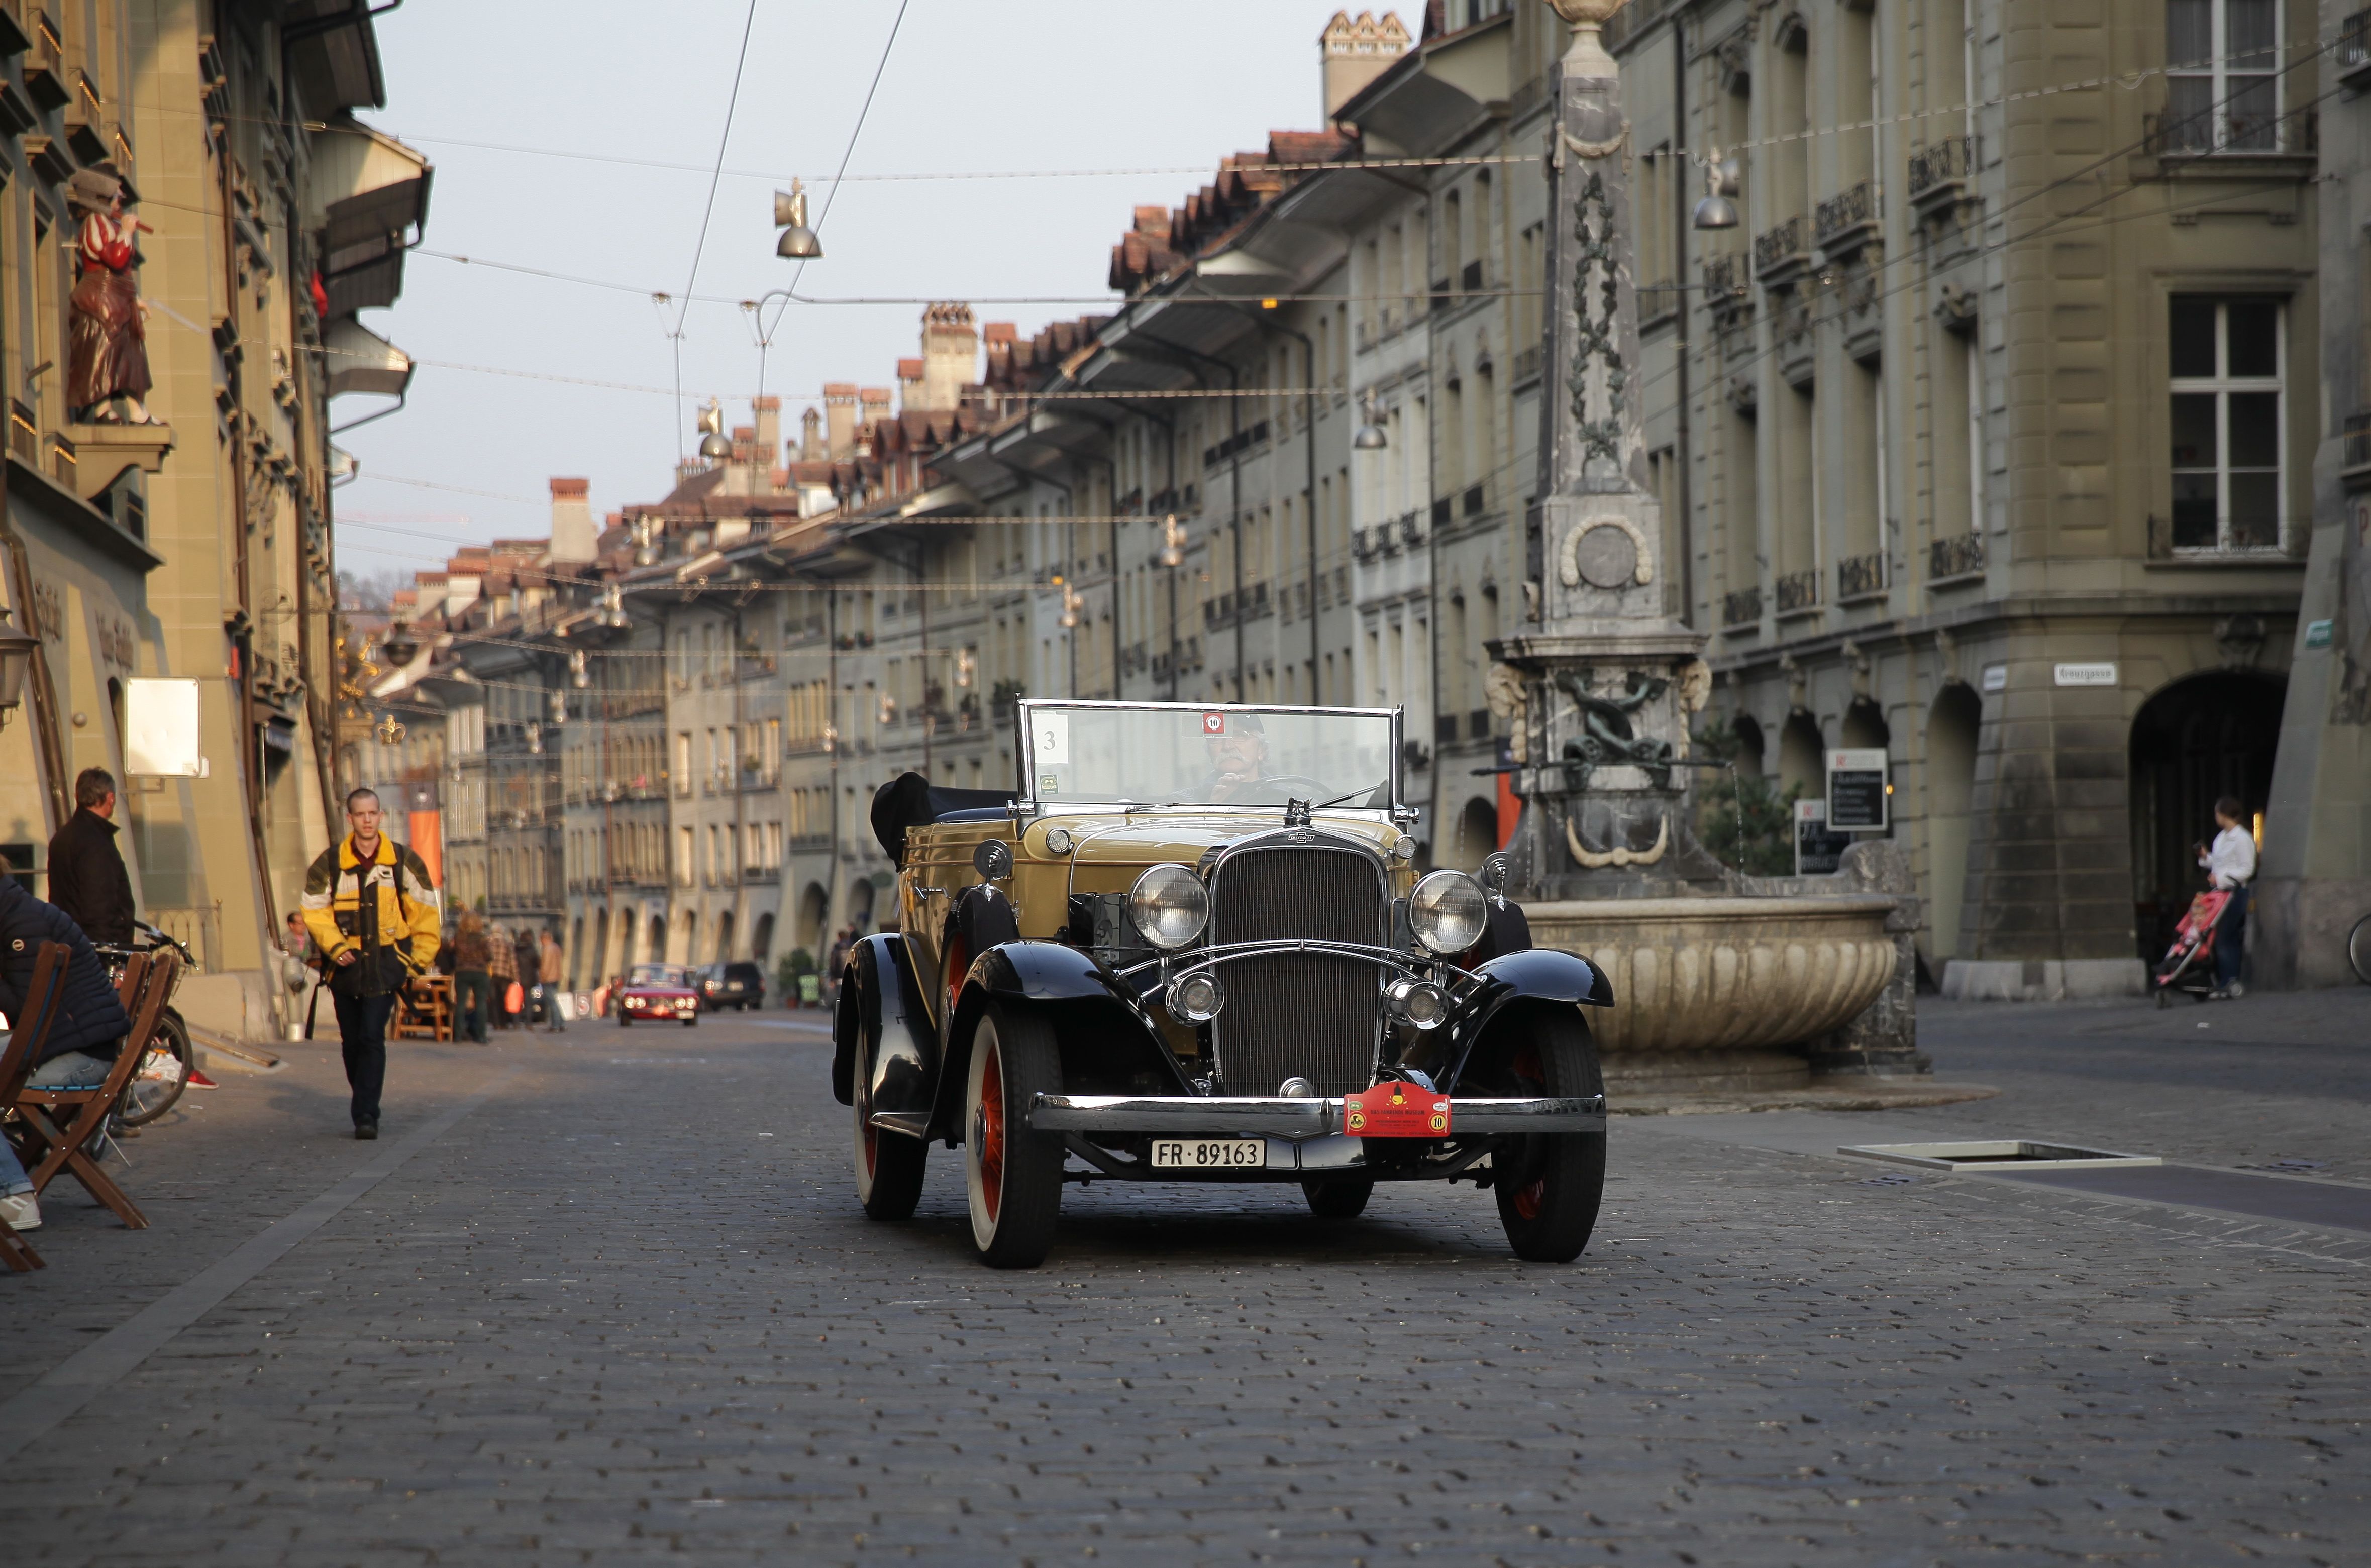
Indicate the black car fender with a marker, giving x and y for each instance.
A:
(880, 999)
(1089, 1006)
(1536, 974)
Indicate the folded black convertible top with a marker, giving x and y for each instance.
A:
(912, 800)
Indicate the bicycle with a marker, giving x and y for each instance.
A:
(2358, 949)
(158, 1086)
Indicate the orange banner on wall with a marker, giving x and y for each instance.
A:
(427, 841)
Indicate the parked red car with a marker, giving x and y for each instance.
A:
(657, 992)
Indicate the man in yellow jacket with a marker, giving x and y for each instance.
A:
(373, 913)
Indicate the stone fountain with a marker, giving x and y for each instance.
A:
(1716, 991)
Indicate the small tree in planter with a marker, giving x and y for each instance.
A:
(796, 963)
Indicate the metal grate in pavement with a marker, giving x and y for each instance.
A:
(1996, 1154)
(2288, 1199)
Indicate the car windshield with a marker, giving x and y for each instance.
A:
(656, 974)
(1161, 754)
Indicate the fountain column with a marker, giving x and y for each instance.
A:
(1721, 989)
(1605, 679)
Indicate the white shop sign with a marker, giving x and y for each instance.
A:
(1996, 677)
(1859, 788)
(161, 728)
(2100, 675)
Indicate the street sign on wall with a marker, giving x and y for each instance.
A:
(1859, 790)
(1817, 849)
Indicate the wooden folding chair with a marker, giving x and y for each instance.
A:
(36, 1016)
(146, 986)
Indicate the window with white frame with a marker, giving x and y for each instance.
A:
(2230, 423)
(2222, 87)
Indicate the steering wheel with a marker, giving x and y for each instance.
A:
(1256, 791)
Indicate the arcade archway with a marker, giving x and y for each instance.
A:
(2199, 739)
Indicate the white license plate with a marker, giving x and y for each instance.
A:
(1209, 1154)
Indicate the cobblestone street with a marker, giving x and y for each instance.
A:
(608, 1300)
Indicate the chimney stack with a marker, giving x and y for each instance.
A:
(839, 420)
(1355, 54)
(811, 437)
(573, 538)
(768, 413)
(950, 356)
(910, 397)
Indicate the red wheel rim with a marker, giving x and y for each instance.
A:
(958, 965)
(991, 1134)
(1528, 1200)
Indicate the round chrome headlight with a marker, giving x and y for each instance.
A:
(1170, 905)
(1448, 912)
(1195, 999)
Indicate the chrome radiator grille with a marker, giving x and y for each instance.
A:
(1297, 1015)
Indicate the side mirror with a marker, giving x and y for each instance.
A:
(992, 860)
(1498, 871)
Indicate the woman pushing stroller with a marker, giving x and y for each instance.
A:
(2230, 866)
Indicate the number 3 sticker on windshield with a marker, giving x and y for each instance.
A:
(1051, 734)
(1214, 723)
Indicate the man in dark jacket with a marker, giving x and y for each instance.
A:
(86, 875)
(90, 1026)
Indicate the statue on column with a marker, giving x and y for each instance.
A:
(108, 353)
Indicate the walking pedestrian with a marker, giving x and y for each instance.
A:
(372, 908)
(472, 976)
(503, 960)
(86, 875)
(528, 953)
(837, 960)
(552, 966)
(2231, 865)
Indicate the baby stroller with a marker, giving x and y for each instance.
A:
(2189, 963)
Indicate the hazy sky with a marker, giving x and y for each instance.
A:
(598, 90)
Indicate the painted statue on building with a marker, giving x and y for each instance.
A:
(107, 357)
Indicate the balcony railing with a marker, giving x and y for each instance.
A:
(1845, 220)
(1798, 591)
(2353, 47)
(1777, 246)
(2230, 132)
(1949, 161)
(1860, 576)
(1742, 608)
(1961, 555)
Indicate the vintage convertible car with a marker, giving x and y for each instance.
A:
(1192, 945)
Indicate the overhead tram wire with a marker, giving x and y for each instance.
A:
(1702, 357)
(708, 212)
(2127, 80)
(864, 113)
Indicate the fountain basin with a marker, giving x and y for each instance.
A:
(1722, 994)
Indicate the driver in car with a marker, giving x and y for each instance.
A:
(1238, 759)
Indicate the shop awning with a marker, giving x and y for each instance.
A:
(359, 360)
(369, 192)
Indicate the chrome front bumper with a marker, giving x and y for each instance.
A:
(1199, 1116)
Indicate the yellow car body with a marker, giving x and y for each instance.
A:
(1096, 975)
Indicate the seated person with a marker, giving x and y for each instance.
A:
(90, 1026)
(1238, 760)
(20, 1210)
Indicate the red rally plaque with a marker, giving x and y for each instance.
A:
(1396, 1110)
